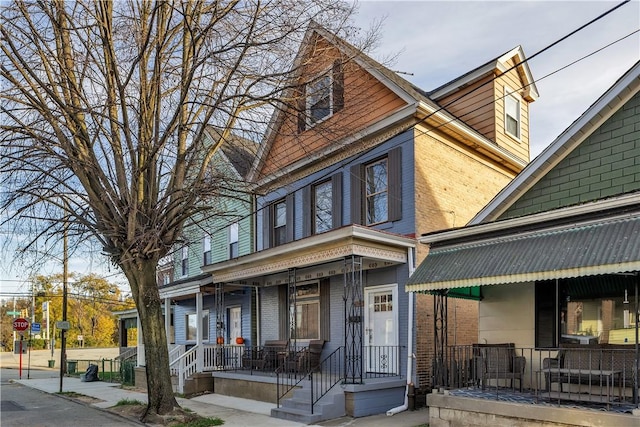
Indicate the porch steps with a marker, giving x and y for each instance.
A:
(298, 407)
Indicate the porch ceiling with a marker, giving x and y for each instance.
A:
(320, 255)
(576, 250)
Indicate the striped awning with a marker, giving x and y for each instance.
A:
(603, 247)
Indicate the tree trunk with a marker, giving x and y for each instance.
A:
(142, 277)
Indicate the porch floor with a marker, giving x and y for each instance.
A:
(529, 397)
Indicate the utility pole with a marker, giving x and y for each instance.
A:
(65, 273)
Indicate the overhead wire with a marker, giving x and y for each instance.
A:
(340, 165)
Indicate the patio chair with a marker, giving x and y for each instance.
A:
(496, 362)
(307, 359)
(275, 352)
(253, 358)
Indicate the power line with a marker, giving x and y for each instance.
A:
(340, 165)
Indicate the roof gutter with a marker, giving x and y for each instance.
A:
(472, 230)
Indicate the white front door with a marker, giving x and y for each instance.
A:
(235, 324)
(381, 329)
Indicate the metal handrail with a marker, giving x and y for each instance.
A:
(322, 378)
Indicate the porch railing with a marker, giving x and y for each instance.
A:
(222, 357)
(174, 354)
(601, 375)
(184, 366)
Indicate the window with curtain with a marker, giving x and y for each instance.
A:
(307, 312)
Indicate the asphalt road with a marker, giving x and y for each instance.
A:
(24, 406)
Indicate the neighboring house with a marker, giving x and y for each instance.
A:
(199, 312)
(554, 260)
(344, 180)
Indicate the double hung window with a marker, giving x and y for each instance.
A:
(307, 312)
(376, 190)
(279, 223)
(192, 326)
(184, 261)
(321, 97)
(511, 113)
(322, 207)
(206, 249)
(233, 240)
(377, 197)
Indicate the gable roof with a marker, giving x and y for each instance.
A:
(240, 152)
(501, 64)
(419, 105)
(601, 110)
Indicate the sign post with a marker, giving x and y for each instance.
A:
(20, 324)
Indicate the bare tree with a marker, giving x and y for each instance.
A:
(104, 105)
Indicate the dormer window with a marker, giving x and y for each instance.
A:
(321, 98)
(511, 113)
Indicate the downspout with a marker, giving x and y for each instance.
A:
(410, 355)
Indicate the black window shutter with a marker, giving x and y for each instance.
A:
(325, 310)
(290, 217)
(283, 312)
(336, 200)
(357, 189)
(338, 86)
(301, 102)
(267, 229)
(307, 211)
(395, 184)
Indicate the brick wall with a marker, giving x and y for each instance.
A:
(452, 183)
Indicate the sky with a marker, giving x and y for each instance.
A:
(435, 42)
(438, 41)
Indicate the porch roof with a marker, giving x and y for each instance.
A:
(321, 253)
(604, 246)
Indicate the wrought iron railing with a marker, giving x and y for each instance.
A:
(605, 375)
(379, 361)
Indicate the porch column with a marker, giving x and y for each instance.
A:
(199, 349)
(293, 309)
(353, 320)
(219, 305)
(167, 321)
(440, 376)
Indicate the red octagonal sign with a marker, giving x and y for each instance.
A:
(20, 324)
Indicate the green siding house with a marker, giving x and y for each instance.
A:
(554, 260)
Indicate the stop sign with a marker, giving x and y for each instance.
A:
(20, 324)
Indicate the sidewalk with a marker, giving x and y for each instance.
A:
(235, 412)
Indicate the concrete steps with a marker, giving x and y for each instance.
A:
(298, 407)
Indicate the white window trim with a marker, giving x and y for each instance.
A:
(309, 124)
(510, 93)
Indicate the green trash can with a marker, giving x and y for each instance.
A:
(52, 363)
(72, 365)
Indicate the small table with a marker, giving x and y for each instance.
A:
(608, 375)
